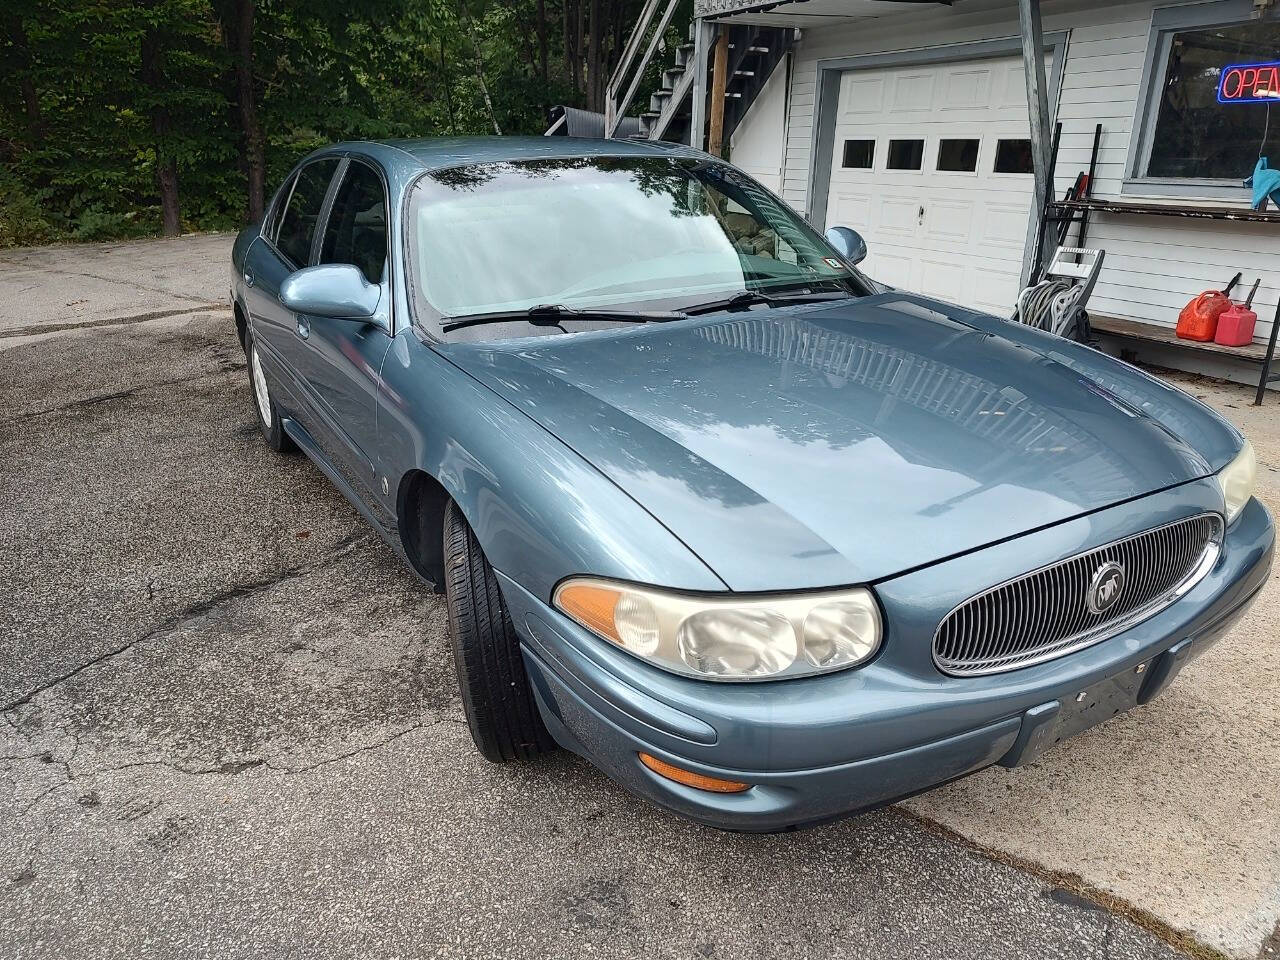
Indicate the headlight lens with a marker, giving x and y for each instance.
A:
(724, 638)
(1238, 479)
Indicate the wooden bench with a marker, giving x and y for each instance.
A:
(1260, 353)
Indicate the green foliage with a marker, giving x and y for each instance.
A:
(102, 96)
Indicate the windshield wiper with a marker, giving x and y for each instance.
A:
(749, 298)
(552, 314)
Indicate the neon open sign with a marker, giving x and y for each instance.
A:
(1249, 83)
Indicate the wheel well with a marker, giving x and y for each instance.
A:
(240, 325)
(420, 512)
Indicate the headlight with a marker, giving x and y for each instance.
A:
(728, 638)
(1237, 480)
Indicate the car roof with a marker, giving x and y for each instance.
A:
(433, 153)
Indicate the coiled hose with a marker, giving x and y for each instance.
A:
(1048, 305)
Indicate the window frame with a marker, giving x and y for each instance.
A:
(1165, 22)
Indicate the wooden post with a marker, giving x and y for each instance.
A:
(698, 94)
(719, 83)
(1037, 115)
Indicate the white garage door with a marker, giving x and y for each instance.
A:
(933, 166)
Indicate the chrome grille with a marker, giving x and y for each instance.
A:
(1045, 613)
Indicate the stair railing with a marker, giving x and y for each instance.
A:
(615, 108)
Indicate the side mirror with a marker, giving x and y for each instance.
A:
(848, 243)
(336, 290)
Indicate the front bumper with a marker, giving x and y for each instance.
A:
(822, 747)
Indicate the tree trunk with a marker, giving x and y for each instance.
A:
(162, 127)
(254, 142)
(26, 84)
(479, 58)
(542, 54)
(579, 6)
(593, 58)
(448, 86)
(570, 57)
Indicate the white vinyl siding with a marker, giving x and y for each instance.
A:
(1154, 265)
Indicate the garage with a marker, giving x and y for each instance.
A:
(932, 163)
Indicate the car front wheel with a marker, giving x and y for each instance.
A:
(264, 404)
(496, 696)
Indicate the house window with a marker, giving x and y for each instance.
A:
(906, 154)
(1195, 135)
(1013, 156)
(958, 156)
(1188, 140)
(859, 154)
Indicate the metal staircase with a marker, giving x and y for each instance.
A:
(754, 52)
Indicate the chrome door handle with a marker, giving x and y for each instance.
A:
(248, 279)
(304, 327)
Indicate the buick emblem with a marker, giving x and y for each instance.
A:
(1105, 587)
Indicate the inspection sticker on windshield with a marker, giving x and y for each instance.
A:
(832, 262)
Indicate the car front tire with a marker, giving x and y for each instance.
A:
(496, 696)
(264, 404)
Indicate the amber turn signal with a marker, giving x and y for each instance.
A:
(592, 606)
(698, 781)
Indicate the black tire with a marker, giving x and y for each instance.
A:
(496, 696)
(264, 405)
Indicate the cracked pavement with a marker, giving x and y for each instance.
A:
(231, 727)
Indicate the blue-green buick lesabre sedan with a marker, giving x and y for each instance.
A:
(765, 541)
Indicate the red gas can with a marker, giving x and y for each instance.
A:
(1235, 325)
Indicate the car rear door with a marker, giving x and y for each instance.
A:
(288, 244)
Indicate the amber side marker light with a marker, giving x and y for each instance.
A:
(690, 779)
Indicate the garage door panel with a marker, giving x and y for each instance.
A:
(851, 209)
(895, 265)
(986, 281)
(861, 96)
(949, 221)
(897, 219)
(914, 92)
(943, 277)
(1005, 226)
(966, 90)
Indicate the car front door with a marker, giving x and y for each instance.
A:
(344, 357)
(288, 244)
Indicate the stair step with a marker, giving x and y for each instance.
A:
(757, 49)
(744, 73)
(672, 76)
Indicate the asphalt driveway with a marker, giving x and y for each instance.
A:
(230, 726)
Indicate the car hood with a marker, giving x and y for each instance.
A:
(822, 444)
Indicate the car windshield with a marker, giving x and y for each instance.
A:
(612, 233)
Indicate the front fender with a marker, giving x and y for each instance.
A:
(540, 511)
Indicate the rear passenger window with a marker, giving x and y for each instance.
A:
(298, 226)
(357, 228)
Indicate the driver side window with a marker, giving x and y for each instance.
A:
(357, 229)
